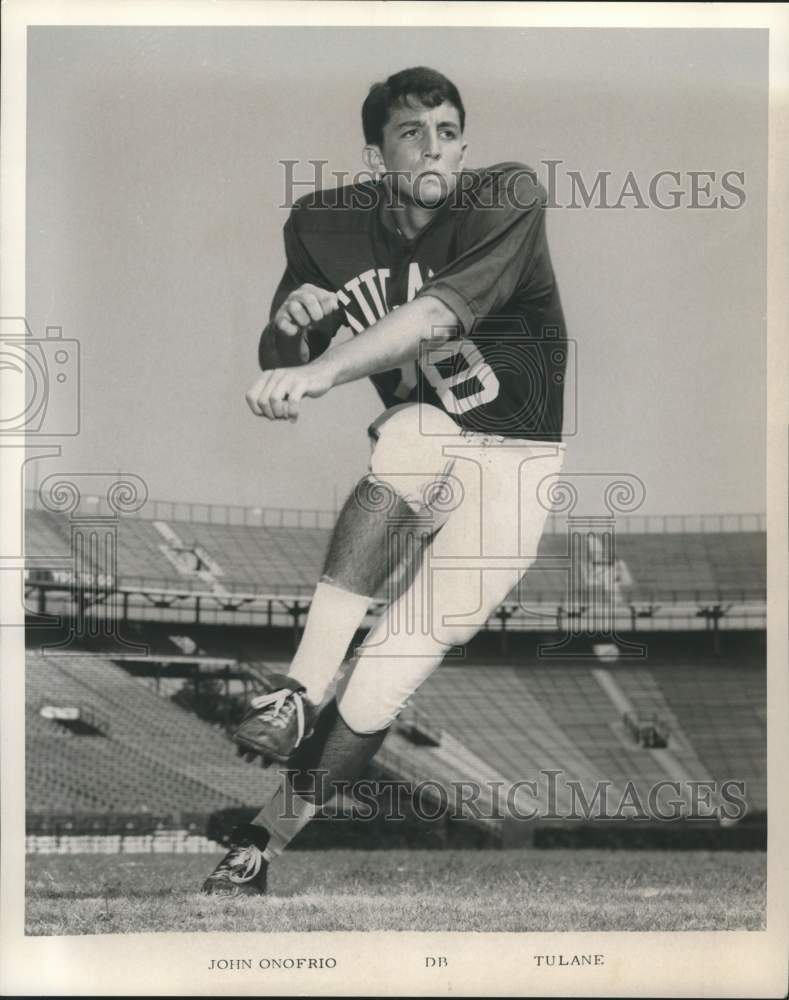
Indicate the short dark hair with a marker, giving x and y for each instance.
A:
(429, 86)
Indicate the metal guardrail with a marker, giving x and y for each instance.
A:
(206, 513)
(250, 591)
(670, 524)
(161, 586)
(198, 588)
(292, 517)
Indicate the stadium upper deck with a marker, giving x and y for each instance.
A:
(238, 557)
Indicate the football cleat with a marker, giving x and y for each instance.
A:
(278, 720)
(243, 870)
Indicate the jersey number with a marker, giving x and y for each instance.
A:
(451, 367)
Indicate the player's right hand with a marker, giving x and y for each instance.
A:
(304, 307)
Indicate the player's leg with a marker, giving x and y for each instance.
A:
(363, 552)
(361, 557)
(357, 564)
(355, 568)
(453, 594)
(404, 648)
(442, 607)
(333, 756)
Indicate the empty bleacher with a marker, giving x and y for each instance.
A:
(265, 556)
(662, 566)
(139, 550)
(448, 765)
(511, 721)
(513, 716)
(539, 716)
(491, 708)
(691, 562)
(153, 748)
(738, 559)
(722, 707)
(106, 774)
(46, 534)
(578, 706)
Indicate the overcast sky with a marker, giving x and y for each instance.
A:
(154, 237)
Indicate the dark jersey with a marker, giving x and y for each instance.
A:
(484, 253)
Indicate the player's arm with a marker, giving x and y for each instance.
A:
(389, 343)
(284, 343)
(304, 315)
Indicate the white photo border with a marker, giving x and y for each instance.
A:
(648, 964)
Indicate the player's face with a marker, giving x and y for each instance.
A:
(422, 152)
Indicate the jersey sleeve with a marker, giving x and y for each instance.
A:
(503, 251)
(300, 270)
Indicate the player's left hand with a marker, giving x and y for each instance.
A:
(277, 394)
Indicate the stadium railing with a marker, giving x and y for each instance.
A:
(236, 514)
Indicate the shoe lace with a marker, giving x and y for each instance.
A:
(241, 864)
(278, 708)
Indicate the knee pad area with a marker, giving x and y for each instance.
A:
(408, 457)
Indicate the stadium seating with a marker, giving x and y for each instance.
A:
(46, 534)
(578, 706)
(272, 557)
(159, 759)
(694, 561)
(450, 764)
(139, 550)
(536, 716)
(722, 706)
(110, 775)
(510, 716)
(155, 755)
(265, 556)
(659, 565)
(738, 559)
(500, 713)
(509, 722)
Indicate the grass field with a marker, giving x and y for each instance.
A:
(526, 890)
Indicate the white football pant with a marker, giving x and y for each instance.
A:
(484, 491)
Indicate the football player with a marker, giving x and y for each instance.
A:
(444, 276)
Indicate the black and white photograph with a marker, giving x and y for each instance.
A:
(394, 499)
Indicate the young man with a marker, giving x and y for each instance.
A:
(445, 278)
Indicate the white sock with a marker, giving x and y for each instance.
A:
(333, 619)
